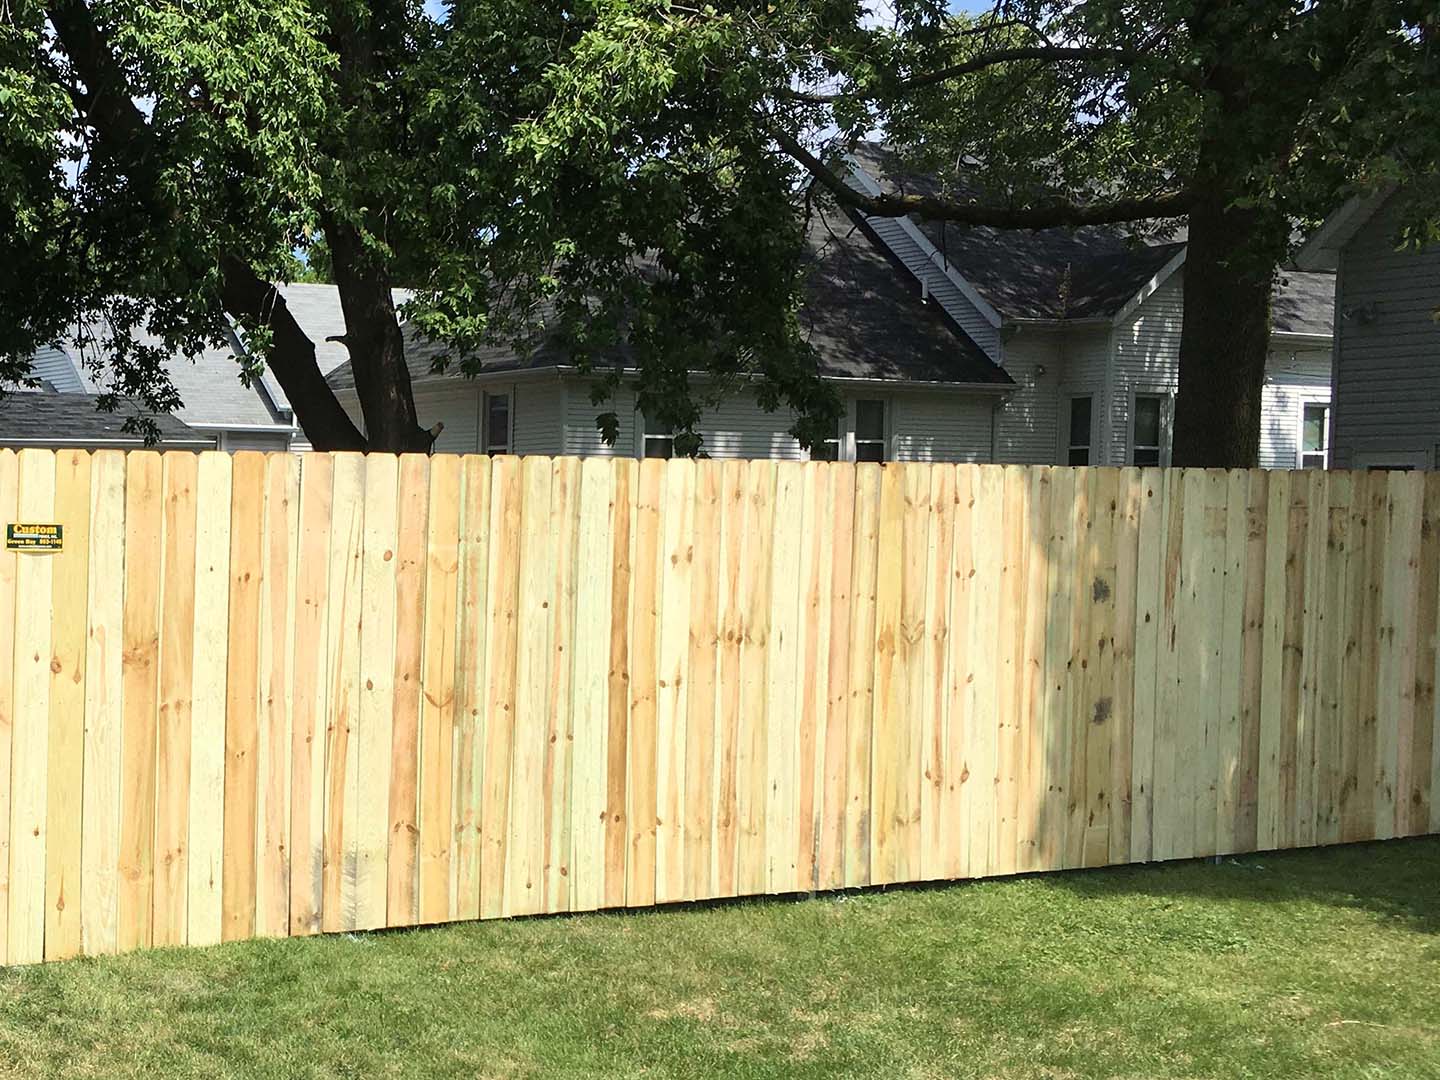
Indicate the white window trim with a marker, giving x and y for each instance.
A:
(1166, 395)
(1304, 402)
(507, 392)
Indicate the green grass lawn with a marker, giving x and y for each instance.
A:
(1314, 964)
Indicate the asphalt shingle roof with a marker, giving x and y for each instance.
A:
(1083, 273)
(862, 313)
(44, 419)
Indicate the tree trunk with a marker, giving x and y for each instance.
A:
(1225, 337)
(376, 346)
(291, 360)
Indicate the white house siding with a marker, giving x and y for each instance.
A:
(456, 402)
(265, 441)
(1146, 359)
(538, 415)
(941, 427)
(1086, 357)
(1026, 427)
(55, 367)
(582, 437)
(1387, 371)
(1293, 378)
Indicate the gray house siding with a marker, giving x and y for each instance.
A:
(1387, 349)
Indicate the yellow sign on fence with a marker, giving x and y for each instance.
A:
(22, 537)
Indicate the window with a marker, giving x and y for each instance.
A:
(659, 439)
(496, 435)
(1148, 423)
(869, 430)
(1315, 435)
(1078, 452)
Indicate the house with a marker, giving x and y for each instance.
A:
(1050, 347)
(217, 405)
(1087, 322)
(1387, 337)
(916, 386)
(56, 421)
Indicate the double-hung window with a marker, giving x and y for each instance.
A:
(496, 433)
(1315, 435)
(869, 430)
(1078, 444)
(659, 439)
(1147, 429)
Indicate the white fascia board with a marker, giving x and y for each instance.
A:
(872, 188)
(1148, 289)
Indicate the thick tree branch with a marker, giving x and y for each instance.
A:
(1047, 53)
(121, 131)
(937, 208)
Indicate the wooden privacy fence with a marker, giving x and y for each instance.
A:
(269, 695)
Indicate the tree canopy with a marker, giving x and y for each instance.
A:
(631, 174)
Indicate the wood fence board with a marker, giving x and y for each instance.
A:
(560, 730)
(645, 609)
(988, 494)
(479, 642)
(813, 649)
(1122, 682)
(1149, 604)
(1253, 646)
(752, 742)
(347, 538)
(9, 568)
(887, 750)
(1099, 678)
(934, 677)
(672, 688)
(273, 742)
(860, 710)
(1165, 811)
(589, 808)
(623, 511)
(34, 580)
(139, 690)
(376, 712)
(782, 803)
(535, 630)
(65, 766)
(1422, 795)
(1060, 559)
(1272, 721)
(205, 839)
(100, 798)
(912, 696)
(1209, 607)
(174, 739)
(243, 688)
(1230, 752)
(699, 823)
(830, 872)
(439, 692)
(1079, 576)
(309, 702)
(402, 890)
(1015, 540)
(730, 620)
(1032, 793)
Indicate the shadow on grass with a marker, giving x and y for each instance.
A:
(1397, 879)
